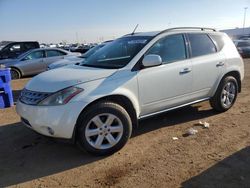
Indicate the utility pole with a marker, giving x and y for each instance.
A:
(244, 19)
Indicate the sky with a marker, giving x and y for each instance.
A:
(52, 21)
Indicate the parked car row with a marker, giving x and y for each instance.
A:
(77, 60)
(26, 58)
(82, 48)
(35, 61)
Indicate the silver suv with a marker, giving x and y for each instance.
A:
(136, 76)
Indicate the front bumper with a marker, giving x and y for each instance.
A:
(53, 121)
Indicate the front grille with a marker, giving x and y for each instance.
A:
(32, 97)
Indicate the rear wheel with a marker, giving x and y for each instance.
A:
(104, 128)
(225, 95)
(15, 74)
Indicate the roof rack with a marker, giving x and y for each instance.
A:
(179, 28)
(197, 28)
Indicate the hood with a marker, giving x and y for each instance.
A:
(57, 79)
(64, 62)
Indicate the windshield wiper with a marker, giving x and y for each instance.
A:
(114, 58)
(100, 66)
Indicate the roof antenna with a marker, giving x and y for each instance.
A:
(134, 29)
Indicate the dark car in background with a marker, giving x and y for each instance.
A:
(243, 47)
(14, 49)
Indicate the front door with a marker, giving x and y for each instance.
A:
(169, 84)
(33, 63)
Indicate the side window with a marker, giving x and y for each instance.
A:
(34, 55)
(15, 48)
(30, 45)
(201, 44)
(171, 48)
(53, 53)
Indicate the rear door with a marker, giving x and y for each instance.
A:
(169, 84)
(208, 63)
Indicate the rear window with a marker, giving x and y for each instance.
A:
(53, 53)
(218, 39)
(201, 44)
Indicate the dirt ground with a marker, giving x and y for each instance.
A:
(215, 157)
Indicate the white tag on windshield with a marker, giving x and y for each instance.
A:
(139, 41)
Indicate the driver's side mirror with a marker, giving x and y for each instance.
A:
(151, 60)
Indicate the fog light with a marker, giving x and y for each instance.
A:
(51, 131)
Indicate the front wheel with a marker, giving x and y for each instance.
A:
(15, 74)
(225, 95)
(104, 128)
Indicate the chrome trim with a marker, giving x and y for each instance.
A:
(173, 108)
(32, 97)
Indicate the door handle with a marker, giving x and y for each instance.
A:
(220, 64)
(185, 70)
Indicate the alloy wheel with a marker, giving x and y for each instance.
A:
(104, 131)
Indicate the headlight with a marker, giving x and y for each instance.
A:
(61, 97)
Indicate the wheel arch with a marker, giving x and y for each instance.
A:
(237, 76)
(17, 69)
(122, 100)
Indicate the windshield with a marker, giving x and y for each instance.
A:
(23, 55)
(4, 43)
(118, 53)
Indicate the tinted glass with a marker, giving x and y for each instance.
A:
(15, 48)
(34, 55)
(201, 44)
(218, 39)
(53, 53)
(118, 53)
(92, 50)
(29, 45)
(171, 48)
(243, 44)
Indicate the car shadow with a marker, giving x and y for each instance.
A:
(178, 116)
(26, 155)
(233, 171)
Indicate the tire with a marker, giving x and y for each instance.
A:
(15, 74)
(94, 137)
(225, 95)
